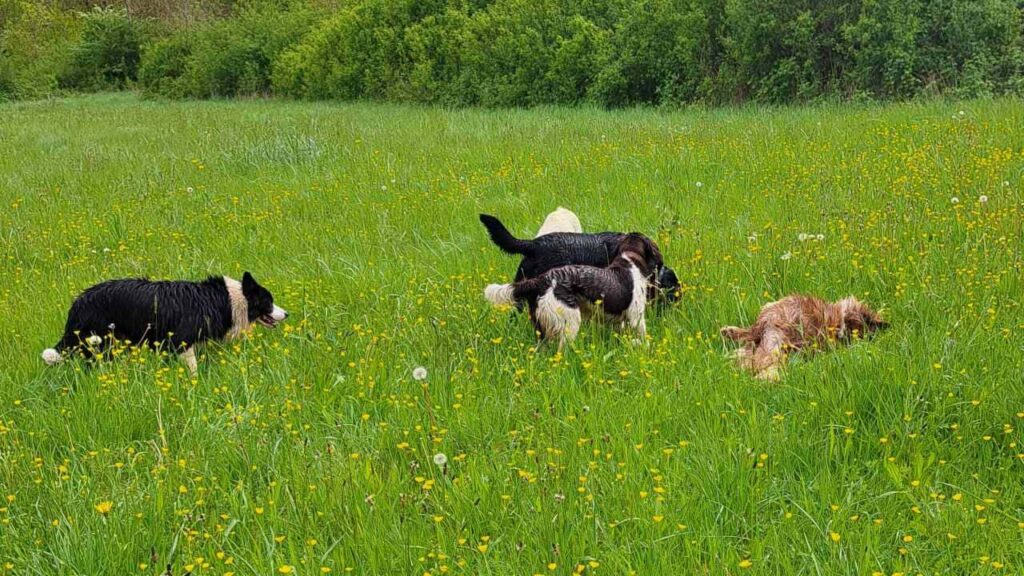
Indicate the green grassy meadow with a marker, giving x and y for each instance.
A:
(310, 449)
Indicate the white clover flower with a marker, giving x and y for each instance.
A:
(786, 256)
(440, 459)
(954, 200)
(983, 198)
(419, 373)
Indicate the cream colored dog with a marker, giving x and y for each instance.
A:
(561, 220)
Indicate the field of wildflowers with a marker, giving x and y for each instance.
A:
(396, 424)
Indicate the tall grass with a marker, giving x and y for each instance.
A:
(310, 448)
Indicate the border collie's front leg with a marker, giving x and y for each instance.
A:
(189, 356)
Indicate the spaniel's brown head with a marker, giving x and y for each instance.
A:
(646, 251)
(858, 320)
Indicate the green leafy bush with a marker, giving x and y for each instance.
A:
(164, 66)
(223, 58)
(107, 56)
(525, 52)
(35, 43)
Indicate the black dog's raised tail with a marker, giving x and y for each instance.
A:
(502, 237)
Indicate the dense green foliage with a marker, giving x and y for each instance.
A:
(311, 447)
(107, 55)
(35, 45)
(528, 52)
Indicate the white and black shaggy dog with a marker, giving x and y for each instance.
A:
(173, 315)
(556, 249)
(561, 220)
(560, 298)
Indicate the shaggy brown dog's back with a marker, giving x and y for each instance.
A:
(797, 322)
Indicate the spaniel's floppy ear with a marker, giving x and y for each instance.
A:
(651, 253)
(874, 320)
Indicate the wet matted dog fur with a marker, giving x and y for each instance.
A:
(798, 323)
(564, 248)
(174, 315)
(560, 298)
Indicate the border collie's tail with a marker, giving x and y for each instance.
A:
(502, 237)
(510, 294)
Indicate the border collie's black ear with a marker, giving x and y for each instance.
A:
(248, 282)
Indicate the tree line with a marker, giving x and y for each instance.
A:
(516, 52)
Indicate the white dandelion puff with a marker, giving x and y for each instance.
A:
(440, 459)
(802, 237)
(700, 184)
(954, 200)
(820, 237)
(93, 340)
(786, 256)
(190, 190)
(983, 198)
(419, 373)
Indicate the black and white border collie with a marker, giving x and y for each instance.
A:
(555, 249)
(560, 298)
(173, 315)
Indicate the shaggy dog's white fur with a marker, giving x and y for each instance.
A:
(561, 220)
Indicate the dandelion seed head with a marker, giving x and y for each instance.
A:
(440, 459)
(419, 373)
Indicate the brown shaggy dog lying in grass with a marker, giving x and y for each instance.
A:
(795, 323)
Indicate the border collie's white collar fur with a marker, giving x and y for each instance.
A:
(239, 309)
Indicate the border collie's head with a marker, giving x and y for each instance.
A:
(261, 303)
